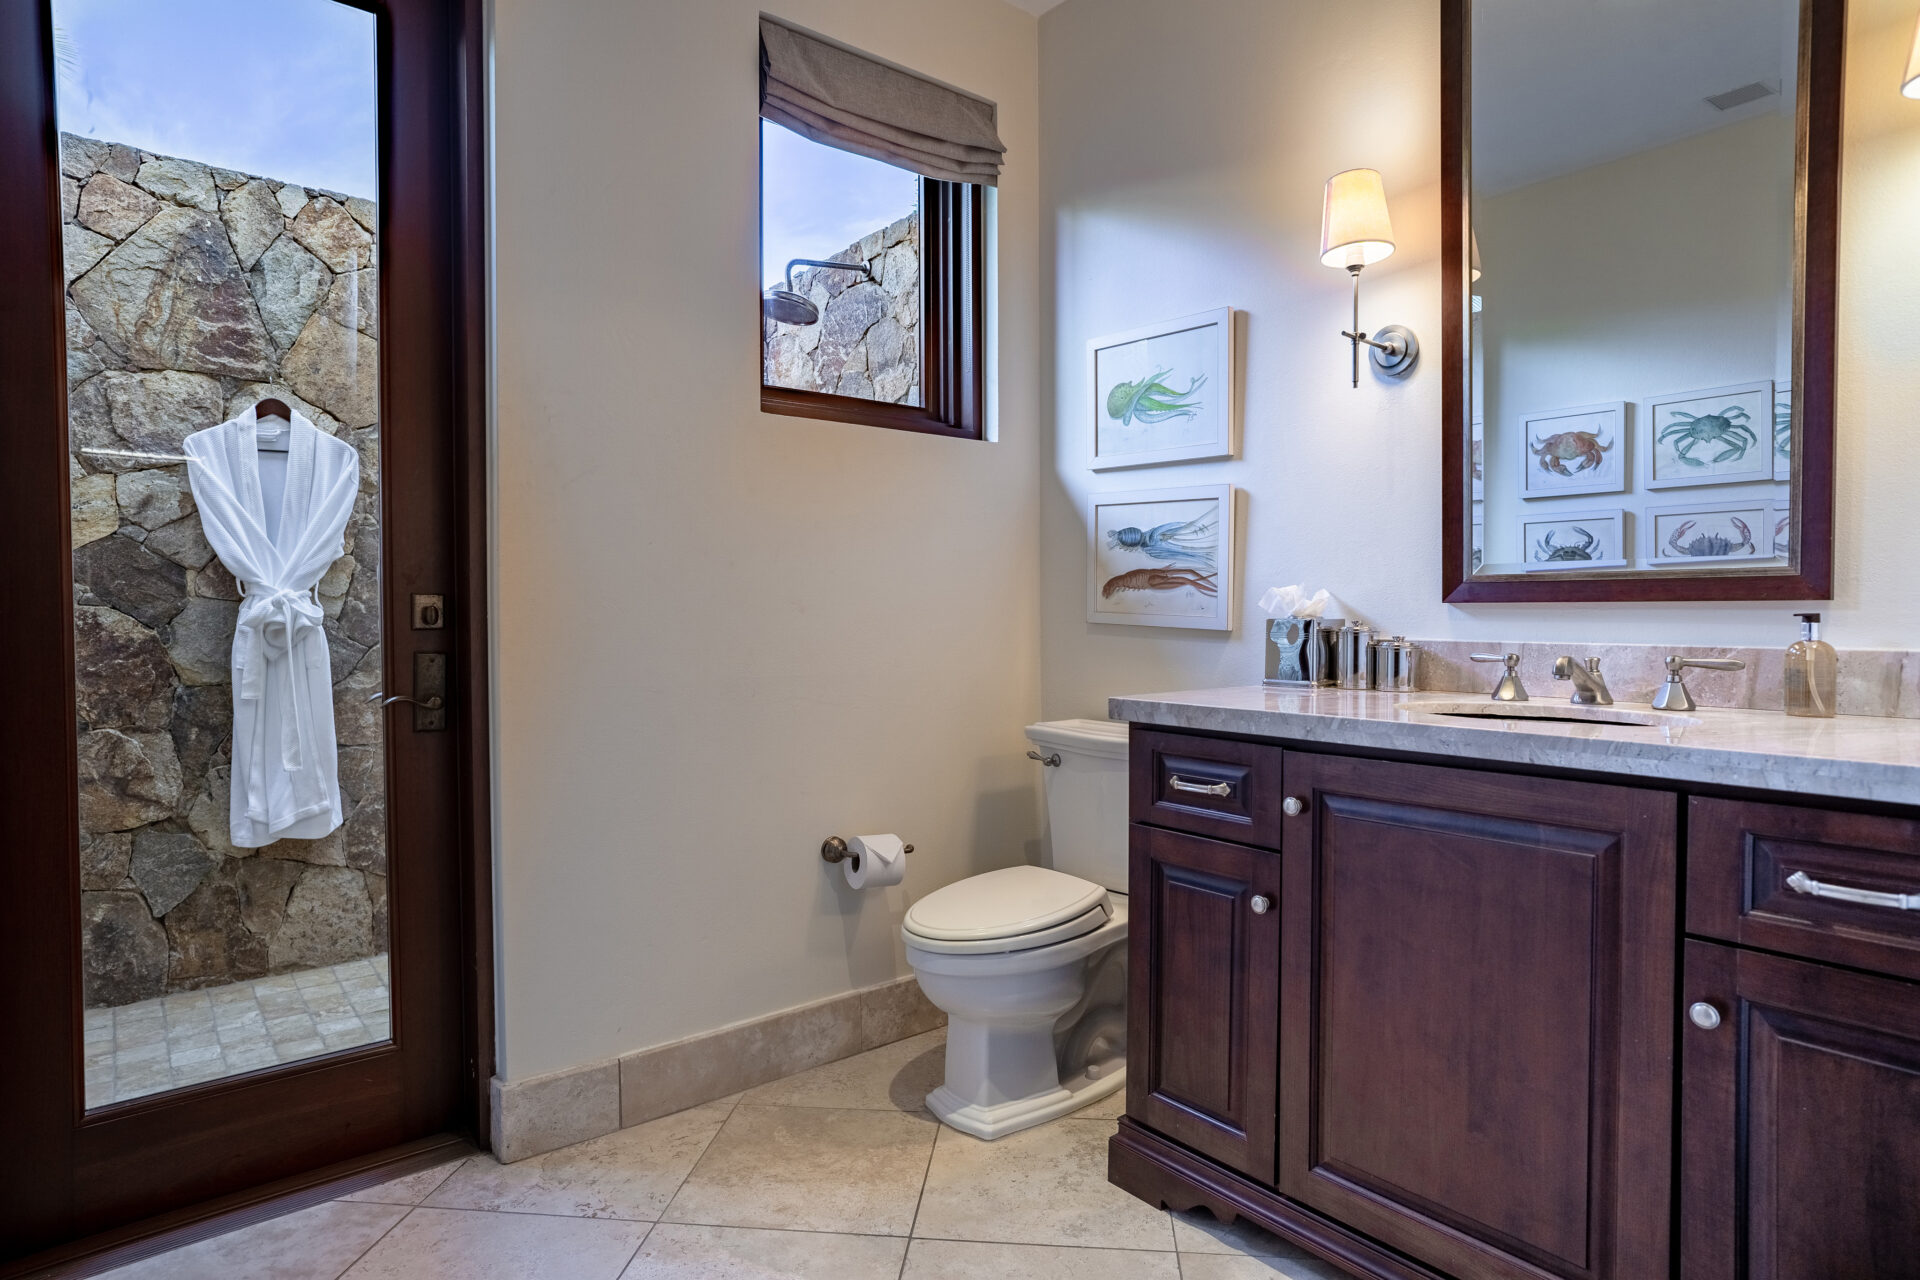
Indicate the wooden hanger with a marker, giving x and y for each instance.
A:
(278, 439)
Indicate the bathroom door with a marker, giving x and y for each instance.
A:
(210, 205)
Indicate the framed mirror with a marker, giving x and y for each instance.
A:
(1639, 221)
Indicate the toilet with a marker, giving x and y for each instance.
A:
(1030, 963)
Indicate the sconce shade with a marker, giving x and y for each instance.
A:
(1910, 83)
(1473, 239)
(1354, 228)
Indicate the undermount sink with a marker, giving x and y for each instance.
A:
(1565, 712)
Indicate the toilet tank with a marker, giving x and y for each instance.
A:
(1086, 798)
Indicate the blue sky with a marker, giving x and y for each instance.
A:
(280, 88)
(815, 200)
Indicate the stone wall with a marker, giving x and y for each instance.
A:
(192, 292)
(866, 343)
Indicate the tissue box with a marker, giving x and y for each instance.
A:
(1300, 651)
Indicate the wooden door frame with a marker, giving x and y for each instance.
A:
(39, 826)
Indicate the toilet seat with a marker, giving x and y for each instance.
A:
(1013, 909)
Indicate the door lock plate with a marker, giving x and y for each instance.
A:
(429, 612)
(429, 685)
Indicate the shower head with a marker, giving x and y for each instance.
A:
(784, 306)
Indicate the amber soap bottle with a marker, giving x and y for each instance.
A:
(1813, 672)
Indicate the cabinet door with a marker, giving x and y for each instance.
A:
(1800, 1122)
(1203, 1003)
(1477, 986)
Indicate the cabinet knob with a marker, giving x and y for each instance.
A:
(1261, 904)
(1293, 806)
(1703, 1015)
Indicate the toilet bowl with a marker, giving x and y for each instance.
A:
(1029, 963)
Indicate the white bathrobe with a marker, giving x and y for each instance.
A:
(286, 771)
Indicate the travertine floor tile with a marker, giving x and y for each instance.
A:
(454, 1244)
(1046, 1185)
(677, 1252)
(313, 1244)
(973, 1260)
(809, 1168)
(1234, 1266)
(894, 1077)
(632, 1173)
(409, 1188)
(1198, 1231)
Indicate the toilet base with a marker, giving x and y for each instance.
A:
(997, 1120)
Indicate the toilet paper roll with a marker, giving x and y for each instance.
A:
(877, 860)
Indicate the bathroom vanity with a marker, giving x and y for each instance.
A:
(1438, 995)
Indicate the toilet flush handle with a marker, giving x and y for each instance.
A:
(1051, 759)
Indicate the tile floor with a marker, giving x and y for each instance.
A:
(181, 1039)
(834, 1174)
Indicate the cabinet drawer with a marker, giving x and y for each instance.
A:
(1843, 887)
(1228, 790)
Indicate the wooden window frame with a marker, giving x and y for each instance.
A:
(952, 333)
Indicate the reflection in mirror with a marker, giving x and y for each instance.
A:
(1633, 303)
(221, 252)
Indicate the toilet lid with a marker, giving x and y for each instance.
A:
(1009, 903)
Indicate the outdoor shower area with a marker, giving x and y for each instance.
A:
(193, 292)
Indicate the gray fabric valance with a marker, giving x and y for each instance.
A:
(843, 98)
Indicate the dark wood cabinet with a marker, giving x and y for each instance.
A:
(1204, 972)
(1477, 1003)
(1421, 1019)
(1800, 1121)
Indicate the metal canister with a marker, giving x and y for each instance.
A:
(1323, 652)
(1405, 666)
(1356, 656)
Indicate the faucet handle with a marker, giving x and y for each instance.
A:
(1673, 695)
(1509, 689)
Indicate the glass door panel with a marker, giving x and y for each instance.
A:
(222, 246)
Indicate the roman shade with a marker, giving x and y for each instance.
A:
(843, 98)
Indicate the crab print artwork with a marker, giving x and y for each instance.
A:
(1545, 549)
(1726, 428)
(1714, 437)
(1711, 544)
(1151, 400)
(1582, 448)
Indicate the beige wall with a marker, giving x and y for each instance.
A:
(720, 635)
(1190, 177)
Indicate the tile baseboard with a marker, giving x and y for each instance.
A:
(543, 1113)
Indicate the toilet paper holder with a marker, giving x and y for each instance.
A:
(834, 849)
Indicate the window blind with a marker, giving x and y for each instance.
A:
(843, 98)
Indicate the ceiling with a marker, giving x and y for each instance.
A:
(1561, 85)
(1035, 7)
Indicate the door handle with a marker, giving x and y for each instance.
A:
(1179, 783)
(429, 696)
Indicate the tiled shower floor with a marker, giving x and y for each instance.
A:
(137, 1049)
(834, 1174)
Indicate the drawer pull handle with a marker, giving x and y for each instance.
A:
(1801, 882)
(1179, 783)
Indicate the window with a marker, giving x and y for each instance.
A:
(882, 322)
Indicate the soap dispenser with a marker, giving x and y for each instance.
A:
(1813, 672)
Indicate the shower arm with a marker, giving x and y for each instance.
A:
(863, 268)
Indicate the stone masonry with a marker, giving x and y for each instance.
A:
(866, 343)
(192, 292)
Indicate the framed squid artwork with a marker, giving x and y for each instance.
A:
(1161, 558)
(1164, 393)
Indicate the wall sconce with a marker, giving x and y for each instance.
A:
(1910, 83)
(1355, 233)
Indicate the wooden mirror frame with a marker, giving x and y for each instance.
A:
(1809, 574)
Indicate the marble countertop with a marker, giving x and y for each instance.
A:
(1846, 757)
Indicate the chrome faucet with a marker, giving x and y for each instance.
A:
(1589, 686)
(1673, 695)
